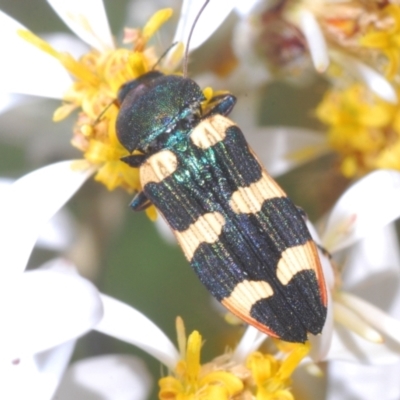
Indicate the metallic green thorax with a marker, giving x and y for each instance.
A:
(157, 112)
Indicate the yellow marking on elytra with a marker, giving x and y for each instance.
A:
(249, 199)
(206, 229)
(296, 259)
(210, 131)
(244, 314)
(246, 294)
(158, 167)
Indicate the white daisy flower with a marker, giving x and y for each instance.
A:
(287, 39)
(352, 45)
(106, 377)
(40, 317)
(44, 311)
(358, 227)
(91, 82)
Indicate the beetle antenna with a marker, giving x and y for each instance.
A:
(97, 120)
(163, 55)
(186, 57)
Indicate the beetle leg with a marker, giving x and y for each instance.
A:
(221, 104)
(134, 160)
(140, 202)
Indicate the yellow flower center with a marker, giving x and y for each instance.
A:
(264, 376)
(386, 39)
(363, 128)
(272, 377)
(98, 78)
(192, 381)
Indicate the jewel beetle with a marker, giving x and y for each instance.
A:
(245, 239)
(243, 236)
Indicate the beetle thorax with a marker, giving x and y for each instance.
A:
(157, 111)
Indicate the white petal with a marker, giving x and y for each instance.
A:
(110, 377)
(373, 79)
(125, 323)
(252, 72)
(35, 377)
(31, 201)
(372, 315)
(212, 17)
(244, 8)
(41, 309)
(5, 184)
(355, 323)
(309, 380)
(315, 40)
(87, 19)
(368, 205)
(58, 233)
(283, 148)
(8, 101)
(280, 148)
(26, 69)
(67, 43)
(250, 342)
(165, 230)
(374, 259)
(347, 346)
(353, 381)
